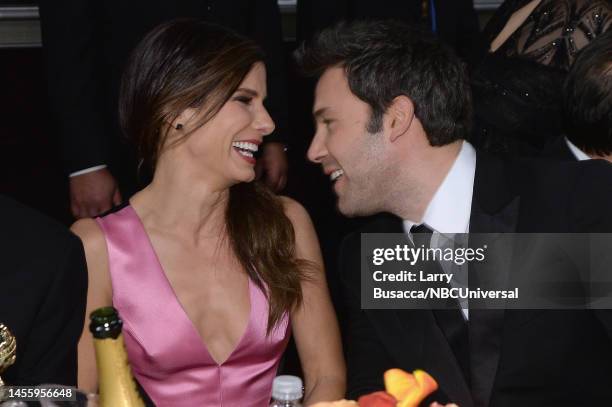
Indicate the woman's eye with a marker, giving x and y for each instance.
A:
(244, 99)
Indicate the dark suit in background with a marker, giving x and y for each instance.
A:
(43, 290)
(87, 44)
(558, 149)
(516, 357)
(456, 21)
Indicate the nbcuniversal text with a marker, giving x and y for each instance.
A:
(443, 293)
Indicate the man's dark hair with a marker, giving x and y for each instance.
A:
(386, 59)
(587, 98)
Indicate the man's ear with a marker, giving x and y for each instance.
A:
(401, 114)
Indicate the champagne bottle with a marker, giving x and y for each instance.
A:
(116, 383)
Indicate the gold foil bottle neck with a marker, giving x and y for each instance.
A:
(116, 383)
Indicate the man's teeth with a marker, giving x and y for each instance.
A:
(245, 146)
(336, 174)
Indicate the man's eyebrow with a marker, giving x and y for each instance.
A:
(319, 112)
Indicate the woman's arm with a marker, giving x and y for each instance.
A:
(98, 295)
(314, 323)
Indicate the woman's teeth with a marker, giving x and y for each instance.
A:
(245, 153)
(245, 148)
(336, 174)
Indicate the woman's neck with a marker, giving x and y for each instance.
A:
(179, 202)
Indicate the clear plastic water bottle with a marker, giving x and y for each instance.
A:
(287, 391)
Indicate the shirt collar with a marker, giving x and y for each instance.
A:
(449, 210)
(578, 153)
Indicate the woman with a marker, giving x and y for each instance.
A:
(517, 87)
(208, 270)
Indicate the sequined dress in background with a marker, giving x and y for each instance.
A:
(517, 88)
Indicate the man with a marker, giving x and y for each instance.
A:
(587, 101)
(392, 109)
(86, 47)
(43, 289)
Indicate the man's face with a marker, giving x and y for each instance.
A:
(353, 158)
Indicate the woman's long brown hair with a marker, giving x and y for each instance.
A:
(192, 64)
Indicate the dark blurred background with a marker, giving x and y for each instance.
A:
(30, 169)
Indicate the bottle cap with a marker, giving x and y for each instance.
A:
(105, 323)
(286, 388)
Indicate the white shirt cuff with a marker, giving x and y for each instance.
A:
(86, 170)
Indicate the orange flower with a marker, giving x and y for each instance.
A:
(409, 389)
(399, 383)
(403, 390)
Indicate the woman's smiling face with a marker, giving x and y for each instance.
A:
(223, 147)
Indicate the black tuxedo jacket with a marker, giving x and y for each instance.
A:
(558, 149)
(87, 43)
(457, 21)
(519, 357)
(43, 290)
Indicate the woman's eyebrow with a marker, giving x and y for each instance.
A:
(250, 91)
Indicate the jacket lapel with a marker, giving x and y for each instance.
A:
(558, 149)
(495, 209)
(414, 338)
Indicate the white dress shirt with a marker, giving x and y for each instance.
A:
(578, 153)
(448, 212)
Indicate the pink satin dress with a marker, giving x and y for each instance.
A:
(165, 350)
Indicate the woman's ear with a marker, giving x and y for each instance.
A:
(401, 114)
(180, 123)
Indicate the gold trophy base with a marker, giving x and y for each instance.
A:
(8, 350)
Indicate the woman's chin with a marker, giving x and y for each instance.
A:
(243, 178)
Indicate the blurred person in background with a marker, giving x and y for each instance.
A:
(86, 45)
(43, 288)
(517, 86)
(587, 105)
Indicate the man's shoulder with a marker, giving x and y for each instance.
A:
(588, 179)
(553, 194)
(546, 174)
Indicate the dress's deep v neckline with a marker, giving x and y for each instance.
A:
(183, 313)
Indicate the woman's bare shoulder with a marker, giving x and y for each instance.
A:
(306, 241)
(96, 254)
(296, 213)
(90, 233)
